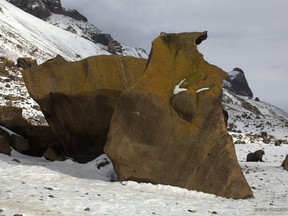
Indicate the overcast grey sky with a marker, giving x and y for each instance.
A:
(250, 34)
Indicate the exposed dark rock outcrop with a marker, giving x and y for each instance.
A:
(236, 82)
(169, 127)
(31, 139)
(44, 8)
(78, 98)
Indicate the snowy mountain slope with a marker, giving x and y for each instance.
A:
(90, 32)
(253, 120)
(25, 35)
(35, 186)
(52, 12)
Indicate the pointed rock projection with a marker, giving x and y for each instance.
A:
(78, 98)
(169, 127)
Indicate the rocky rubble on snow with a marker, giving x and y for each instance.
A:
(13, 92)
(253, 121)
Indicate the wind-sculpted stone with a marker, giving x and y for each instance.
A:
(78, 98)
(169, 127)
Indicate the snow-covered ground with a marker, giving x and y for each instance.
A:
(39, 187)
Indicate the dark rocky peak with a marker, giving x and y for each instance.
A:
(236, 82)
(44, 8)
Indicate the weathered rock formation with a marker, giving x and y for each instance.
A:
(78, 98)
(169, 126)
(285, 163)
(31, 139)
(236, 82)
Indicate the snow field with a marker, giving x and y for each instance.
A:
(39, 187)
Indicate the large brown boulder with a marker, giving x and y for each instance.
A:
(169, 127)
(78, 98)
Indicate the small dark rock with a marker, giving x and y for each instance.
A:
(48, 188)
(87, 209)
(17, 215)
(278, 142)
(214, 212)
(103, 164)
(15, 160)
(255, 156)
(192, 211)
(51, 196)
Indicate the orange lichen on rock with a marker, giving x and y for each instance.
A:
(164, 136)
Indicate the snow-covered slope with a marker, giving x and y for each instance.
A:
(89, 31)
(35, 186)
(52, 12)
(25, 35)
(253, 120)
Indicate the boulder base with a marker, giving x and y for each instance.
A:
(169, 127)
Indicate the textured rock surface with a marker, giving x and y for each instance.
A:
(236, 82)
(78, 98)
(176, 135)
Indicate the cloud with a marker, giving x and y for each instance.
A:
(248, 34)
